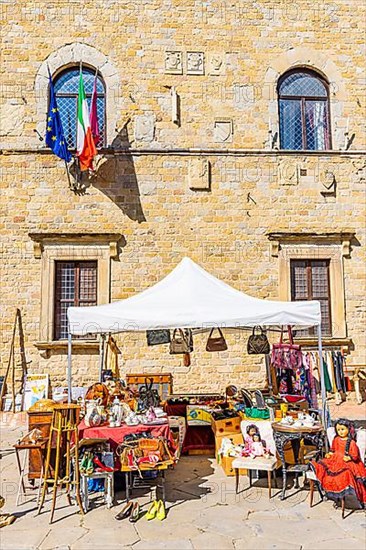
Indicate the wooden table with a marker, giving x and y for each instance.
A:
(283, 434)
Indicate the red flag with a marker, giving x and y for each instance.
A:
(94, 126)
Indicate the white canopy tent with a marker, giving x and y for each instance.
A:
(190, 297)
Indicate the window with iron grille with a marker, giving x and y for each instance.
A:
(66, 88)
(310, 281)
(75, 285)
(304, 111)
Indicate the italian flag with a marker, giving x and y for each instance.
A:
(85, 146)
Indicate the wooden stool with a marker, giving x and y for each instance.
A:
(64, 426)
(108, 487)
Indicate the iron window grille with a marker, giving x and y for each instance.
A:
(310, 281)
(75, 285)
(66, 89)
(304, 111)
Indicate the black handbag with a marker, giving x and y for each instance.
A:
(148, 396)
(156, 337)
(258, 343)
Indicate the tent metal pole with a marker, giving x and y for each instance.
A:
(69, 359)
(322, 377)
(101, 355)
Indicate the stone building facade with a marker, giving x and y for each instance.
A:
(192, 165)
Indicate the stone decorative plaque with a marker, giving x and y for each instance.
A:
(173, 62)
(288, 172)
(199, 174)
(195, 63)
(216, 64)
(223, 131)
(145, 127)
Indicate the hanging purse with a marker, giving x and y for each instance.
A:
(286, 355)
(216, 344)
(258, 343)
(181, 342)
(156, 337)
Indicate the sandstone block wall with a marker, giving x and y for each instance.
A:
(210, 187)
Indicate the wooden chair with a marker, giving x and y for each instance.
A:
(268, 465)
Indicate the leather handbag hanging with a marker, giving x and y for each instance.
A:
(258, 343)
(286, 355)
(156, 337)
(218, 343)
(181, 342)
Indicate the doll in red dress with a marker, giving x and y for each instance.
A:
(342, 472)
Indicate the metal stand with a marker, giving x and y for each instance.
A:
(40, 447)
(129, 484)
(281, 438)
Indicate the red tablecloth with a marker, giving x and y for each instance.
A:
(115, 436)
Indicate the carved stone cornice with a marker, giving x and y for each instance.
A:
(283, 239)
(40, 240)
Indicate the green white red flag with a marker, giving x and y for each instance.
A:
(85, 146)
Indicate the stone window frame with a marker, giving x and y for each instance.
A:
(333, 247)
(66, 57)
(305, 57)
(50, 248)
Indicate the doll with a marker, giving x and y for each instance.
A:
(342, 472)
(254, 445)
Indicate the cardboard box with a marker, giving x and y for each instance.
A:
(198, 415)
(237, 439)
(226, 426)
(227, 465)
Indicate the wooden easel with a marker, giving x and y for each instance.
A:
(64, 427)
(11, 367)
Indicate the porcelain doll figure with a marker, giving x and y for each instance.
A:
(342, 472)
(257, 446)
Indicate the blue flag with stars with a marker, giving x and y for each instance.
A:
(55, 138)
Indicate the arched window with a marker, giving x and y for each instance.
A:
(66, 89)
(304, 111)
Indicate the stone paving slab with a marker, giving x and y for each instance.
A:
(66, 537)
(19, 539)
(213, 541)
(120, 536)
(176, 544)
(266, 543)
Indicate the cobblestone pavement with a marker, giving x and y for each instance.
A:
(203, 513)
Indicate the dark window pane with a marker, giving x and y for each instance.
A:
(303, 84)
(316, 120)
(299, 283)
(75, 285)
(319, 279)
(310, 281)
(291, 134)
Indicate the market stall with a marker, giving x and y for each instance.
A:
(191, 297)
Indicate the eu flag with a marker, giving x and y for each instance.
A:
(55, 138)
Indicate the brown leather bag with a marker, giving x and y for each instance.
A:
(216, 344)
(258, 343)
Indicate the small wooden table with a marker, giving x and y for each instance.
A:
(284, 433)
